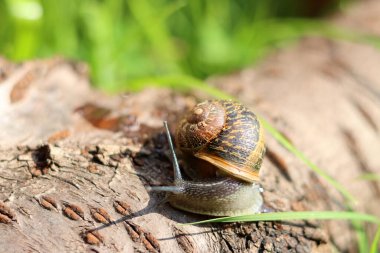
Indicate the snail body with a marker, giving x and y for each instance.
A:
(219, 197)
(228, 139)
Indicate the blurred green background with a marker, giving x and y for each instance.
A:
(124, 41)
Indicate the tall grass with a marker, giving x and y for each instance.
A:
(125, 40)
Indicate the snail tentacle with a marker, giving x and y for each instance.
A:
(177, 170)
(178, 185)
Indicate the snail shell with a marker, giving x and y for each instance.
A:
(225, 134)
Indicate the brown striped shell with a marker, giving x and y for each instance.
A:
(225, 134)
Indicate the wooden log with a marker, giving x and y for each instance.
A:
(73, 161)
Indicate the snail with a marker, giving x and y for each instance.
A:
(225, 139)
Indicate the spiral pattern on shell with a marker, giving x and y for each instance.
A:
(200, 125)
(226, 134)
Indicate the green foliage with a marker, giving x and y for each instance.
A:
(126, 40)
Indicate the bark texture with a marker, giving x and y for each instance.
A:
(73, 159)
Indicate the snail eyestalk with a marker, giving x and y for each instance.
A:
(176, 188)
(177, 171)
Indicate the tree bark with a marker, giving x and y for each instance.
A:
(73, 160)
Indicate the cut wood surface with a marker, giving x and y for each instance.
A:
(73, 159)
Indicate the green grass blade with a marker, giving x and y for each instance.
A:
(180, 82)
(375, 243)
(369, 177)
(363, 242)
(284, 142)
(282, 216)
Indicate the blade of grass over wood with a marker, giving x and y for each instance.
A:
(363, 240)
(369, 177)
(376, 242)
(284, 142)
(359, 228)
(282, 216)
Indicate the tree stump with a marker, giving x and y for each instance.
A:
(74, 162)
